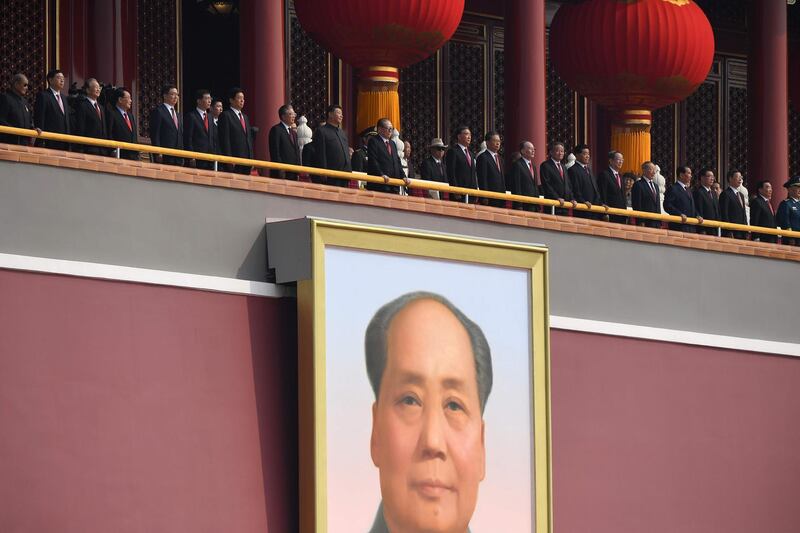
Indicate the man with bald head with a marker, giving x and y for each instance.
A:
(15, 111)
(431, 371)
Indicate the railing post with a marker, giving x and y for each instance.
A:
(216, 166)
(719, 232)
(117, 153)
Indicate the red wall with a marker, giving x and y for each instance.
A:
(660, 437)
(128, 407)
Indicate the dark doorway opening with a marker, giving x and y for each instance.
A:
(210, 51)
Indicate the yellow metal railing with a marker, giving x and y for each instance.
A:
(413, 183)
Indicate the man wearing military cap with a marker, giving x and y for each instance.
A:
(788, 214)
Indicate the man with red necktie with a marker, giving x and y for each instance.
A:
(762, 213)
(555, 184)
(51, 112)
(197, 129)
(166, 126)
(610, 183)
(235, 137)
(283, 146)
(90, 119)
(120, 124)
(383, 159)
(460, 163)
(522, 178)
(490, 169)
(732, 205)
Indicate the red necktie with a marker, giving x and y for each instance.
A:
(96, 108)
(174, 117)
(127, 121)
(293, 135)
(771, 209)
(389, 147)
(497, 160)
(241, 121)
(469, 159)
(60, 103)
(530, 167)
(616, 175)
(741, 199)
(560, 170)
(205, 120)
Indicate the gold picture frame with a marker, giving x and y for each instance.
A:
(312, 371)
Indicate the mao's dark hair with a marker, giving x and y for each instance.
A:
(375, 342)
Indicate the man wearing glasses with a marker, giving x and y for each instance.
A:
(14, 110)
(432, 167)
(383, 159)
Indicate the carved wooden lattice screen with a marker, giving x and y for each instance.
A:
(560, 108)
(465, 89)
(158, 54)
(23, 43)
(419, 101)
(308, 73)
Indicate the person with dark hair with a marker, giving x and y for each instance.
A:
(120, 123)
(90, 120)
(583, 183)
(788, 214)
(216, 110)
(761, 211)
(645, 195)
(732, 205)
(166, 126)
(14, 110)
(490, 169)
(283, 147)
(51, 112)
(612, 186)
(678, 201)
(331, 149)
(522, 177)
(383, 159)
(358, 161)
(705, 200)
(198, 131)
(430, 368)
(235, 137)
(555, 183)
(459, 163)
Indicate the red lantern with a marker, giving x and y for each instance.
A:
(378, 38)
(632, 56)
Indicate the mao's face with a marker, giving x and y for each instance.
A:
(427, 432)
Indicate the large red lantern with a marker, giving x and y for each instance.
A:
(378, 38)
(633, 56)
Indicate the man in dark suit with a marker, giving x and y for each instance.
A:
(198, 134)
(645, 195)
(432, 167)
(522, 178)
(14, 110)
(555, 183)
(235, 138)
(383, 159)
(358, 162)
(460, 165)
(705, 201)
(213, 126)
(120, 124)
(166, 126)
(612, 189)
(583, 183)
(90, 120)
(51, 112)
(490, 169)
(732, 203)
(331, 149)
(283, 147)
(762, 213)
(678, 201)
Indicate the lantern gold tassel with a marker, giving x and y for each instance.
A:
(630, 135)
(378, 97)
